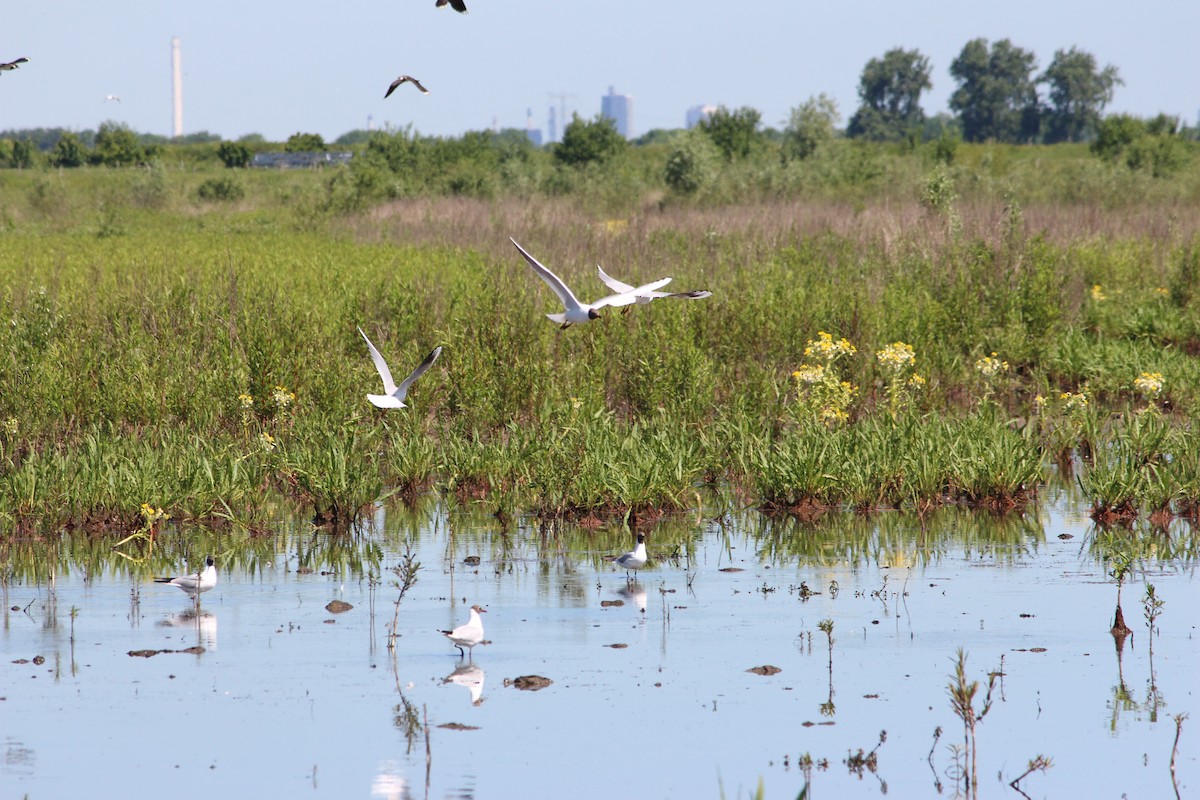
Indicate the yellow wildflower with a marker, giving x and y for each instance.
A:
(282, 397)
(810, 373)
(1149, 384)
(10, 426)
(267, 440)
(1098, 293)
(1074, 401)
(826, 349)
(990, 366)
(896, 356)
(247, 401)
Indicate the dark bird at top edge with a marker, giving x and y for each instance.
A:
(403, 79)
(14, 64)
(458, 5)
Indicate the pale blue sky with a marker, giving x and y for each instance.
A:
(275, 68)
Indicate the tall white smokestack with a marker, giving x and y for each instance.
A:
(177, 87)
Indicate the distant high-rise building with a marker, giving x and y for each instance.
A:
(618, 108)
(551, 126)
(533, 134)
(697, 114)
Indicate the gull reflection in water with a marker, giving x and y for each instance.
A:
(634, 593)
(470, 676)
(389, 783)
(204, 623)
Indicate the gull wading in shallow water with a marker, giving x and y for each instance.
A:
(193, 585)
(470, 634)
(575, 312)
(644, 294)
(635, 559)
(393, 395)
(404, 79)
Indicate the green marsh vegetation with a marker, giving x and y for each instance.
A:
(886, 331)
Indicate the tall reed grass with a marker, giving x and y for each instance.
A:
(205, 360)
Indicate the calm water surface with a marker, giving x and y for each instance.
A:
(288, 699)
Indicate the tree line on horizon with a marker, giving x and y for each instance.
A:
(997, 100)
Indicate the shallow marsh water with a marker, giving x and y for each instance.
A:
(288, 699)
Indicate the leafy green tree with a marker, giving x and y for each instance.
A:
(1154, 146)
(19, 154)
(811, 125)
(304, 143)
(22, 156)
(735, 133)
(589, 141)
(117, 146)
(234, 154)
(659, 136)
(1078, 93)
(996, 98)
(68, 152)
(693, 164)
(1115, 133)
(890, 89)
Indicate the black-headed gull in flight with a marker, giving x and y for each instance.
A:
(458, 5)
(574, 311)
(470, 634)
(393, 395)
(403, 79)
(644, 294)
(11, 65)
(635, 559)
(193, 585)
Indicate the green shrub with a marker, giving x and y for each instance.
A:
(220, 190)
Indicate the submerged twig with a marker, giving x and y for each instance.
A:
(1179, 718)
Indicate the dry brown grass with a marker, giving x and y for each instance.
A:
(556, 230)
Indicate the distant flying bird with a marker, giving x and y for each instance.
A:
(108, 97)
(393, 395)
(642, 295)
(573, 310)
(192, 585)
(458, 5)
(14, 64)
(470, 634)
(401, 80)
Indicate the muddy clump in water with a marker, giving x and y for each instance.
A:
(197, 650)
(765, 669)
(531, 683)
(338, 607)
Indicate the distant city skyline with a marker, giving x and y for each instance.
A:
(308, 67)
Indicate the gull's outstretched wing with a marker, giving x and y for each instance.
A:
(389, 386)
(402, 390)
(565, 295)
